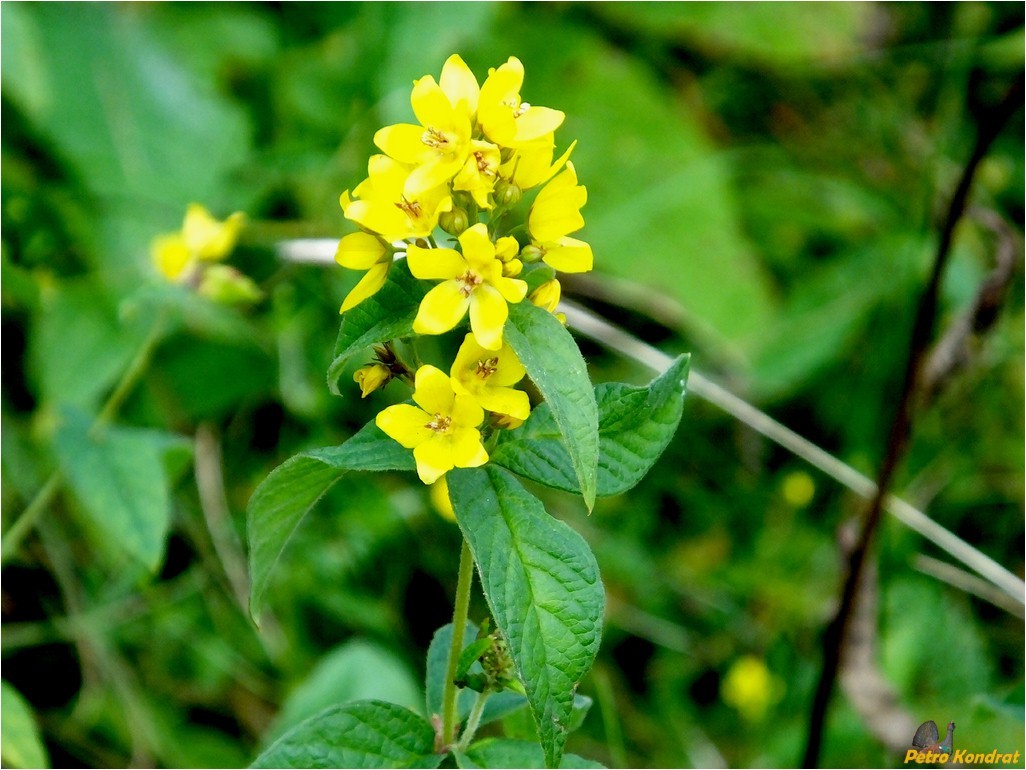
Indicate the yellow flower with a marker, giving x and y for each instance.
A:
(439, 146)
(384, 205)
(441, 430)
(202, 238)
(751, 688)
(479, 173)
(487, 376)
(371, 377)
(555, 213)
(472, 280)
(505, 119)
(363, 251)
(547, 295)
(532, 165)
(439, 494)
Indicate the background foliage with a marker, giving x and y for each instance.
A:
(763, 187)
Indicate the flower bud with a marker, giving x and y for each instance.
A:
(371, 377)
(228, 286)
(512, 268)
(532, 253)
(454, 222)
(547, 295)
(439, 494)
(506, 422)
(507, 193)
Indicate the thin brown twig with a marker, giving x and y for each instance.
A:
(922, 330)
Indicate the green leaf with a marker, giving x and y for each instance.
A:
(503, 752)
(279, 504)
(635, 425)
(19, 735)
(521, 726)
(385, 316)
(543, 587)
(364, 734)
(356, 670)
(556, 367)
(118, 477)
(498, 704)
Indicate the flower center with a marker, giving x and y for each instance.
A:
(468, 281)
(482, 165)
(435, 139)
(411, 209)
(486, 367)
(440, 424)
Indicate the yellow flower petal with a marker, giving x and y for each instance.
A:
(466, 412)
(434, 264)
(370, 284)
(478, 249)
(488, 313)
(569, 255)
(466, 448)
(514, 403)
(170, 255)
(508, 370)
(536, 122)
(401, 141)
(207, 238)
(512, 289)
(498, 93)
(432, 391)
(433, 173)
(434, 458)
(406, 424)
(441, 309)
(459, 84)
(439, 494)
(430, 104)
(359, 251)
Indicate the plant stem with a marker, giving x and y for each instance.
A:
(459, 622)
(473, 721)
(41, 502)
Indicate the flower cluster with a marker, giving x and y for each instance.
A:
(194, 257)
(458, 177)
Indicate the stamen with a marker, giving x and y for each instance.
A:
(410, 208)
(432, 137)
(468, 281)
(482, 165)
(440, 424)
(486, 367)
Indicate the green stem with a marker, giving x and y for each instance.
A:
(459, 622)
(41, 502)
(473, 721)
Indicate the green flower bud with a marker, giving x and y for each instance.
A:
(454, 222)
(507, 193)
(532, 253)
(228, 286)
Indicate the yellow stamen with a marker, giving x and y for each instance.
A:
(440, 424)
(468, 281)
(486, 367)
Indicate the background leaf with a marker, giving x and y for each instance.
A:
(635, 426)
(21, 745)
(118, 476)
(542, 585)
(365, 734)
(555, 366)
(500, 752)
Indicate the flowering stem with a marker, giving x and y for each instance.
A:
(41, 502)
(459, 622)
(473, 721)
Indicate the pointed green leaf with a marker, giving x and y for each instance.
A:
(498, 704)
(556, 367)
(503, 752)
(364, 734)
(384, 316)
(635, 425)
(19, 735)
(543, 587)
(279, 504)
(118, 477)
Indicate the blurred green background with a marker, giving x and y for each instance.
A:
(764, 185)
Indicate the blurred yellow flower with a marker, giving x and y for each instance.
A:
(487, 376)
(798, 489)
(751, 688)
(555, 213)
(202, 238)
(441, 430)
(439, 495)
(472, 281)
(363, 251)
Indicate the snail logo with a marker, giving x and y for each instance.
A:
(928, 749)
